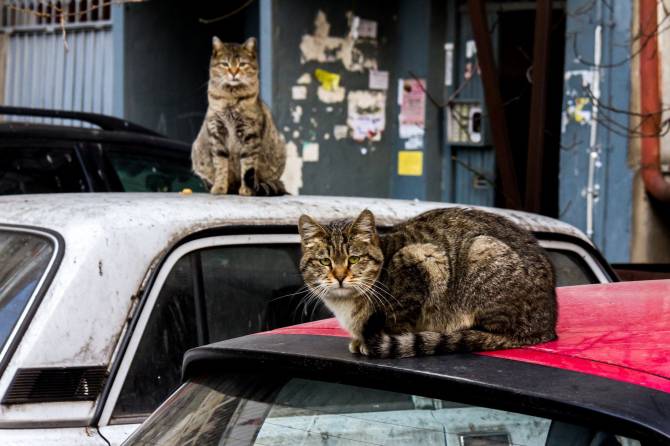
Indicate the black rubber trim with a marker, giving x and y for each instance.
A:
(564, 395)
(102, 121)
(30, 311)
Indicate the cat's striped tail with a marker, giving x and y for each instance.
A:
(264, 188)
(431, 343)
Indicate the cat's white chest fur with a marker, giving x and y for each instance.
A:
(343, 309)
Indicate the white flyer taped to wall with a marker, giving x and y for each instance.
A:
(366, 114)
(298, 92)
(378, 80)
(310, 152)
(364, 28)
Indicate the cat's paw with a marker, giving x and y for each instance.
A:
(354, 346)
(219, 189)
(246, 191)
(364, 350)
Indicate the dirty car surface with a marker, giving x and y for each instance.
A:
(135, 280)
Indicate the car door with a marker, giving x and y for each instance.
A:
(206, 290)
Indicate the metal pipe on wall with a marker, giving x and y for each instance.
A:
(650, 104)
(591, 186)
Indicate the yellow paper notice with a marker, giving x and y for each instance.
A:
(410, 163)
(329, 81)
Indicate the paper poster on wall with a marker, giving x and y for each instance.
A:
(298, 92)
(366, 116)
(410, 163)
(361, 28)
(310, 152)
(378, 80)
(412, 108)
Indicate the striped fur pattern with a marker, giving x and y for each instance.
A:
(238, 148)
(448, 280)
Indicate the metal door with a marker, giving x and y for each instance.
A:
(469, 158)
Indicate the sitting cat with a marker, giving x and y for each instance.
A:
(238, 147)
(448, 280)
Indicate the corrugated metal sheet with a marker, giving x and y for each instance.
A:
(44, 72)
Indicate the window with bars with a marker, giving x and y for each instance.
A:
(35, 13)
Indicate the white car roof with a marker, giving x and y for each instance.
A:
(166, 215)
(114, 240)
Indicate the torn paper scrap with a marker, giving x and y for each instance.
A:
(378, 80)
(340, 131)
(298, 92)
(366, 114)
(310, 152)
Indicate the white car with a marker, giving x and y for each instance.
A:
(101, 294)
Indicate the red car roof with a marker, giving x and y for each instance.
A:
(619, 331)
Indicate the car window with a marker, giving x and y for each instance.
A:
(245, 289)
(24, 259)
(570, 268)
(153, 170)
(253, 288)
(170, 331)
(33, 170)
(266, 409)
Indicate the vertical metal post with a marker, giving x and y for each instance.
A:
(118, 46)
(480, 29)
(266, 38)
(538, 106)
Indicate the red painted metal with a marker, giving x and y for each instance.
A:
(650, 104)
(619, 331)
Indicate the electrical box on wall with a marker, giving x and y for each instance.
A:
(465, 124)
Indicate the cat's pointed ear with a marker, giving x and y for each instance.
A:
(364, 227)
(250, 44)
(309, 229)
(217, 44)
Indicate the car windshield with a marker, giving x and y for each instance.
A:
(258, 409)
(24, 259)
(153, 170)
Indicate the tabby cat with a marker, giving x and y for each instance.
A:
(238, 148)
(448, 280)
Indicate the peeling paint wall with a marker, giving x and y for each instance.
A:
(333, 119)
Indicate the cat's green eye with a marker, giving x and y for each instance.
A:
(243, 64)
(325, 262)
(353, 260)
(225, 64)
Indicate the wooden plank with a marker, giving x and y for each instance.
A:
(494, 105)
(538, 106)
